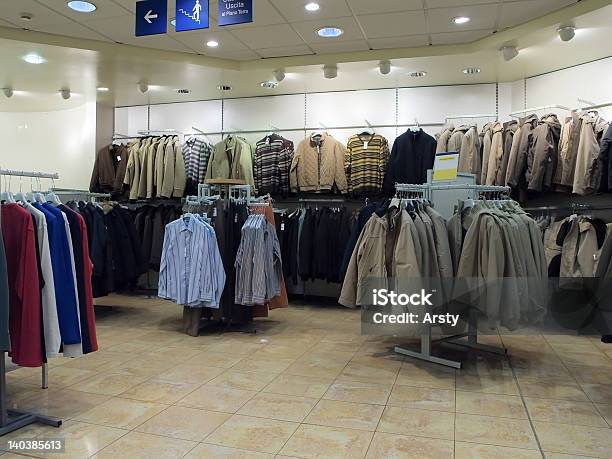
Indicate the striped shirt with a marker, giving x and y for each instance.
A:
(196, 153)
(365, 163)
(273, 156)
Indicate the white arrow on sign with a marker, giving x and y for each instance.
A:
(150, 16)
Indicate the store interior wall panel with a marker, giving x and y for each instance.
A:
(249, 114)
(130, 120)
(182, 117)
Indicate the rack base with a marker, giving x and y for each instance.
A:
(18, 419)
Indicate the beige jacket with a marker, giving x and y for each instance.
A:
(231, 158)
(318, 165)
(130, 169)
(443, 138)
(469, 153)
(170, 170)
(455, 140)
(588, 172)
(135, 166)
(543, 154)
(486, 138)
(517, 163)
(510, 129)
(496, 154)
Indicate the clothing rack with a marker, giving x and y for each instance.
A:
(518, 113)
(593, 107)
(571, 207)
(87, 193)
(472, 333)
(461, 117)
(11, 420)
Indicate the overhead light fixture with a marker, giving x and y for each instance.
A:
(224, 87)
(65, 92)
(312, 6)
(102, 89)
(417, 74)
(26, 17)
(268, 84)
(566, 33)
(384, 67)
(82, 7)
(279, 75)
(509, 52)
(143, 87)
(212, 43)
(471, 70)
(8, 92)
(330, 32)
(330, 71)
(34, 59)
(461, 20)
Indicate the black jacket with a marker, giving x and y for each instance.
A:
(605, 163)
(412, 154)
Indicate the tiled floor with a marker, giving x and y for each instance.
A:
(308, 385)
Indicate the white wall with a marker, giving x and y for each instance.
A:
(60, 141)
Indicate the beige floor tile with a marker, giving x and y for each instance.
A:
(572, 439)
(564, 456)
(359, 392)
(562, 348)
(60, 403)
(277, 406)
(265, 365)
(598, 360)
(348, 415)
(121, 413)
(564, 412)
(476, 451)
(422, 423)
(598, 393)
(503, 406)
(206, 451)
(83, 440)
(385, 446)
(190, 373)
(423, 398)
(184, 423)
(272, 351)
(546, 388)
(591, 375)
(216, 359)
(503, 384)
(420, 375)
(253, 434)
(494, 431)
(606, 411)
(302, 386)
(137, 445)
(110, 383)
(317, 442)
(317, 369)
(217, 398)
(176, 353)
(251, 380)
(154, 390)
(62, 376)
(357, 371)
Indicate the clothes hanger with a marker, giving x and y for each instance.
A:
(7, 196)
(19, 196)
(52, 197)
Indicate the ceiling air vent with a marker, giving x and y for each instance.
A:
(183, 91)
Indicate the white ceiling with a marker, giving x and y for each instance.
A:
(284, 28)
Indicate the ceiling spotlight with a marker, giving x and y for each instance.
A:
(8, 92)
(471, 70)
(34, 59)
(566, 33)
(384, 67)
(268, 84)
(330, 71)
(65, 92)
(26, 17)
(417, 74)
(509, 52)
(279, 75)
(461, 20)
(102, 89)
(212, 43)
(329, 32)
(82, 7)
(312, 6)
(143, 86)
(224, 87)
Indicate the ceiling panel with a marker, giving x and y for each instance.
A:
(384, 6)
(299, 50)
(466, 36)
(197, 41)
(399, 42)
(451, 3)
(130, 5)
(482, 17)
(6, 24)
(294, 10)
(104, 9)
(518, 12)
(394, 24)
(346, 46)
(160, 42)
(72, 29)
(308, 30)
(245, 55)
(11, 10)
(269, 36)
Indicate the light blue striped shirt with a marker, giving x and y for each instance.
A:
(191, 271)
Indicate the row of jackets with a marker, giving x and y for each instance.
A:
(47, 268)
(150, 222)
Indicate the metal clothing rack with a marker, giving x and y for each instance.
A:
(519, 113)
(472, 334)
(11, 420)
(86, 193)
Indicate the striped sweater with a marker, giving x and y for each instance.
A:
(272, 164)
(366, 163)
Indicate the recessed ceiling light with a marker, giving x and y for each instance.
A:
(330, 32)
(268, 84)
(34, 59)
(471, 70)
(418, 74)
(312, 6)
(461, 20)
(212, 43)
(26, 17)
(82, 7)
(102, 89)
(173, 22)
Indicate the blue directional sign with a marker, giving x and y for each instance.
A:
(151, 17)
(235, 12)
(191, 15)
